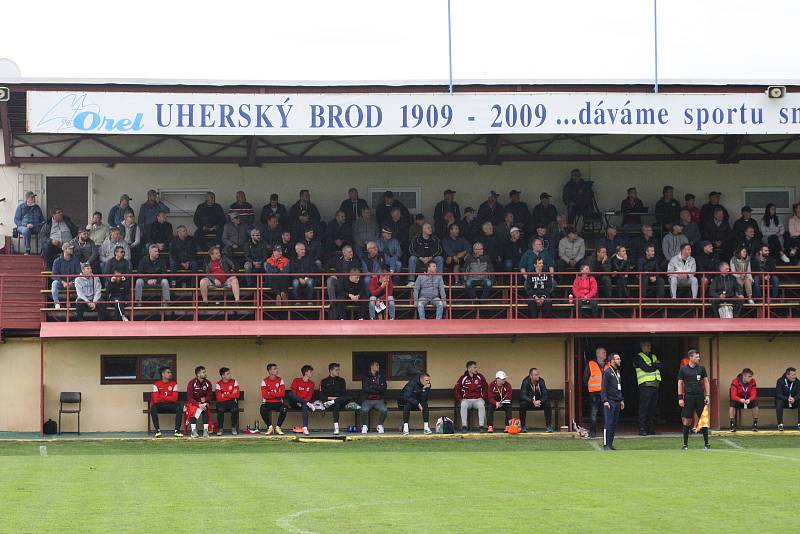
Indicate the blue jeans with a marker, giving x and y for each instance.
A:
(303, 291)
(57, 286)
(422, 302)
(413, 261)
(389, 308)
(26, 233)
(774, 286)
(471, 283)
(396, 266)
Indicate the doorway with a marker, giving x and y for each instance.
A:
(71, 194)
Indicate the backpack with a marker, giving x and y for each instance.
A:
(50, 427)
(445, 425)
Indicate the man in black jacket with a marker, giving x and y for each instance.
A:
(338, 233)
(273, 207)
(53, 234)
(159, 232)
(352, 205)
(341, 263)
(210, 219)
(384, 212)
(613, 402)
(650, 263)
(333, 392)
(424, 248)
(373, 397)
(152, 273)
(256, 252)
(787, 390)
(302, 263)
(491, 210)
(726, 291)
(764, 264)
(415, 397)
(534, 396)
(118, 286)
(707, 261)
(183, 256)
(303, 205)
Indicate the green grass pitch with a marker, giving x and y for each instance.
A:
(508, 484)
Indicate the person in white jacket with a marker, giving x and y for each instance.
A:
(682, 266)
(89, 290)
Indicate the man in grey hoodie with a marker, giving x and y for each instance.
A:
(429, 289)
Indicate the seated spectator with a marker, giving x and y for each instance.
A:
(221, 273)
(744, 222)
(54, 233)
(88, 290)
(556, 232)
(611, 240)
(639, 243)
(65, 268)
(667, 209)
(471, 392)
(226, 392)
(109, 245)
(477, 266)
(620, 267)
(469, 225)
(792, 244)
(571, 251)
(577, 195)
(183, 256)
(773, 231)
(447, 204)
(682, 268)
(333, 393)
(210, 219)
(740, 267)
(256, 251)
(690, 206)
(534, 396)
(718, 231)
(650, 266)
(98, 230)
(341, 264)
(673, 242)
(245, 211)
(490, 210)
(286, 243)
(164, 399)
(118, 284)
(414, 396)
(383, 212)
(726, 292)
(632, 209)
(277, 264)
(303, 205)
(537, 250)
(373, 396)
(152, 273)
(302, 263)
(707, 262)
(149, 209)
(455, 249)
(519, 210)
(364, 229)
(416, 229)
(743, 396)
(600, 264)
(338, 233)
(273, 391)
(235, 235)
(499, 398)
(424, 249)
(390, 249)
(491, 245)
(763, 267)
(540, 232)
(352, 206)
(584, 289)
(513, 249)
(159, 233)
(28, 218)
(373, 262)
(544, 212)
(750, 241)
(429, 289)
(301, 395)
(353, 292)
(538, 287)
(380, 295)
(132, 235)
(117, 214)
(449, 220)
(503, 230)
(276, 209)
(401, 227)
(86, 250)
(690, 228)
(313, 245)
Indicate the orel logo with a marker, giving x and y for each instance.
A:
(73, 112)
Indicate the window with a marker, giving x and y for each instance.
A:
(134, 369)
(400, 365)
(758, 197)
(409, 196)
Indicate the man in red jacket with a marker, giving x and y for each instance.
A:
(164, 399)
(272, 392)
(499, 399)
(198, 400)
(470, 392)
(744, 396)
(226, 391)
(301, 395)
(584, 288)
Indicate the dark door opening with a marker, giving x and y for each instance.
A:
(71, 194)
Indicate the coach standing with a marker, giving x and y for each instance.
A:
(648, 376)
(613, 403)
(694, 393)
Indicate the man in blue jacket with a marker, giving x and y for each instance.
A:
(415, 397)
(27, 219)
(611, 397)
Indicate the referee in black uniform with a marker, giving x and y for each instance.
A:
(611, 397)
(694, 393)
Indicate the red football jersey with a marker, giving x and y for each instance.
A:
(273, 389)
(303, 389)
(198, 392)
(164, 392)
(226, 391)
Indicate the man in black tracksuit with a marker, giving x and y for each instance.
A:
(787, 390)
(694, 393)
(415, 397)
(613, 402)
(333, 392)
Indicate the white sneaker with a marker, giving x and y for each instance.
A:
(380, 429)
(784, 258)
(335, 431)
(195, 434)
(219, 433)
(305, 431)
(319, 406)
(311, 407)
(234, 432)
(428, 431)
(125, 319)
(327, 404)
(205, 433)
(410, 283)
(57, 306)
(750, 301)
(405, 429)
(363, 429)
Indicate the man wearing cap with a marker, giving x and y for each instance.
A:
(469, 225)
(117, 213)
(275, 208)
(149, 210)
(577, 195)
(390, 249)
(673, 241)
(448, 203)
(27, 219)
(65, 268)
(352, 206)
(384, 212)
(707, 211)
(544, 212)
(520, 210)
(57, 230)
(88, 291)
(745, 221)
(244, 209)
(499, 398)
(210, 219)
(490, 210)
(667, 209)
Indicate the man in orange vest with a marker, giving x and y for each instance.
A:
(594, 378)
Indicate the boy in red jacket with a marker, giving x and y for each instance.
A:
(380, 291)
(744, 395)
(226, 391)
(272, 392)
(499, 399)
(584, 288)
(302, 395)
(470, 392)
(164, 399)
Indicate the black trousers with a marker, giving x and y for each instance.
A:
(340, 403)
(230, 406)
(610, 418)
(407, 408)
(203, 416)
(542, 310)
(647, 285)
(490, 409)
(781, 405)
(545, 406)
(266, 412)
(648, 402)
(166, 407)
(100, 307)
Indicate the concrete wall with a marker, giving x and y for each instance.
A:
(19, 398)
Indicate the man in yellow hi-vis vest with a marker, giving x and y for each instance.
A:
(648, 376)
(594, 377)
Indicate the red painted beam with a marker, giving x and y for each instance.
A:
(408, 328)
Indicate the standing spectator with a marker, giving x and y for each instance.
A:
(538, 288)
(424, 249)
(338, 233)
(725, 293)
(513, 249)
(682, 268)
(380, 294)
(690, 206)
(227, 394)
(152, 273)
(534, 396)
(490, 210)
(383, 212)
(571, 251)
(235, 235)
(275, 208)
(277, 264)
(520, 210)
(491, 245)
(415, 397)
(373, 396)
(65, 268)
(632, 209)
(86, 250)
(708, 209)
(304, 205)
(391, 251)
(690, 228)
(471, 392)
(164, 399)
(273, 391)
(744, 222)
(429, 289)
(499, 398)
(245, 211)
(210, 219)
(673, 242)
(650, 267)
(352, 206)
(117, 214)
(221, 274)
(353, 291)
(469, 225)
(763, 267)
(594, 383)
(773, 232)
(648, 377)
(256, 251)
(303, 264)
(88, 291)
(183, 255)
(447, 204)
(584, 289)
(98, 230)
(577, 195)
(341, 264)
(109, 245)
(364, 229)
(477, 266)
(132, 236)
(333, 393)
(455, 248)
(27, 219)
(741, 269)
(149, 209)
(743, 396)
(159, 233)
(544, 212)
(57, 231)
(667, 209)
(301, 395)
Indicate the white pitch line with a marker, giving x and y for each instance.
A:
(731, 444)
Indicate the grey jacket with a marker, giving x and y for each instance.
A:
(571, 250)
(88, 288)
(474, 264)
(671, 245)
(429, 287)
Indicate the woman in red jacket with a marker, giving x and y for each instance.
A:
(744, 395)
(584, 289)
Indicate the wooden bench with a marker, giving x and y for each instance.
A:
(766, 400)
(182, 400)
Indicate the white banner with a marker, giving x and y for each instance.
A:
(416, 113)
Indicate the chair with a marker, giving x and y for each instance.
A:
(70, 397)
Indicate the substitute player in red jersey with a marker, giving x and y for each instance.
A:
(198, 400)
(164, 399)
(226, 391)
(301, 395)
(272, 392)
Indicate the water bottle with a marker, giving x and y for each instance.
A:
(571, 299)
